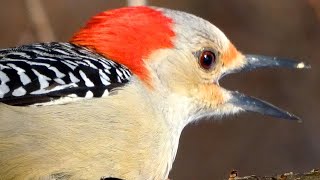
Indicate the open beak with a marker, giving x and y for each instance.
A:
(253, 104)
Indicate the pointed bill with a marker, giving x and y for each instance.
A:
(253, 62)
(253, 104)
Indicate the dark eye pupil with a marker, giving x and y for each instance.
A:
(207, 59)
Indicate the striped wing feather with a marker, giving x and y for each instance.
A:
(49, 73)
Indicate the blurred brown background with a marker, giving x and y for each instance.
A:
(250, 143)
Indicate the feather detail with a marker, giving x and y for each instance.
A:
(128, 36)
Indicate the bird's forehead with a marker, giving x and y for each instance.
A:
(195, 31)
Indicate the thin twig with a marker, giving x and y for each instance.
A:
(312, 175)
(137, 2)
(40, 23)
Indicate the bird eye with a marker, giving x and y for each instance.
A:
(207, 59)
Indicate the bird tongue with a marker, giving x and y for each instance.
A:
(253, 104)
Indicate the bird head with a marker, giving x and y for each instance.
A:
(181, 54)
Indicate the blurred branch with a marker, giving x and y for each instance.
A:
(315, 5)
(312, 175)
(137, 2)
(39, 21)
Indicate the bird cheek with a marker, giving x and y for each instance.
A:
(209, 95)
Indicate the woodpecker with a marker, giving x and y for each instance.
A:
(114, 100)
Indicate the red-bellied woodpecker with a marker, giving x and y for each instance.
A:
(114, 101)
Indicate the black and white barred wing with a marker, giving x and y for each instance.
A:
(50, 73)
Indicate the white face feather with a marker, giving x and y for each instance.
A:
(195, 32)
(177, 72)
(182, 72)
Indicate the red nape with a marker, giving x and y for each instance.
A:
(127, 36)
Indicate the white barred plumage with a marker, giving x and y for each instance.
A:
(45, 72)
